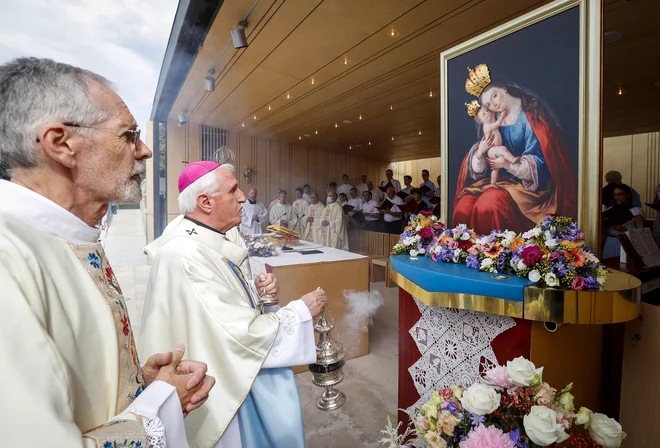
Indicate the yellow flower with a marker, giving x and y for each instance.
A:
(434, 440)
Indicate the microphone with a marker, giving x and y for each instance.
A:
(277, 221)
(291, 234)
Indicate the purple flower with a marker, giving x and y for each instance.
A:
(517, 439)
(472, 261)
(590, 282)
(476, 420)
(451, 407)
(560, 269)
(445, 254)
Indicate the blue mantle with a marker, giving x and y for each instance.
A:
(433, 276)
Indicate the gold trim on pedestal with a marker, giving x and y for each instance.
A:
(618, 301)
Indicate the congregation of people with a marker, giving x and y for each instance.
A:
(327, 220)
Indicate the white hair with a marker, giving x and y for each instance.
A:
(36, 91)
(209, 184)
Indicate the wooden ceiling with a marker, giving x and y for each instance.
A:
(379, 60)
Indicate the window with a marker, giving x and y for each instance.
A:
(212, 140)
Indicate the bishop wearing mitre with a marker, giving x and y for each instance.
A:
(254, 215)
(201, 293)
(71, 376)
(331, 225)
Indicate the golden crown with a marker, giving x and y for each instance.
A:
(473, 108)
(477, 80)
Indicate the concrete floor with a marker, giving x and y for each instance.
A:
(370, 382)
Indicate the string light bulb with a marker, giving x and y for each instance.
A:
(254, 118)
(313, 82)
(269, 108)
(620, 91)
(420, 132)
(369, 143)
(360, 116)
(336, 125)
(316, 132)
(345, 61)
(392, 32)
(431, 93)
(242, 125)
(350, 147)
(392, 138)
(288, 96)
(300, 137)
(391, 107)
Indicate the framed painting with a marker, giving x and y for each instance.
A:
(520, 126)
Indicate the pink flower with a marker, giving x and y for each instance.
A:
(545, 395)
(578, 283)
(425, 233)
(487, 247)
(498, 377)
(421, 422)
(426, 212)
(531, 254)
(487, 437)
(453, 244)
(564, 417)
(438, 226)
(553, 256)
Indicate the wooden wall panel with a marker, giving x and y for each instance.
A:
(273, 171)
(354, 171)
(285, 169)
(299, 172)
(321, 172)
(260, 168)
(341, 166)
(312, 171)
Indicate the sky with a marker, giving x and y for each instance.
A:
(123, 40)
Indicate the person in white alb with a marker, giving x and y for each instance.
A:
(376, 194)
(71, 375)
(392, 217)
(306, 193)
(362, 186)
(201, 292)
(254, 215)
(281, 214)
(331, 225)
(370, 212)
(345, 187)
(314, 212)
(391, 181)
(428, 184)
(272, 204)
(299, 209)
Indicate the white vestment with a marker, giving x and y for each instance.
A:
(344, 188)
(299, 208)
(277, 214)
(200, 293)
(356, 203)
(307, 198)
(248, 224)
(335, 233)
(314, 211)
(71, 375)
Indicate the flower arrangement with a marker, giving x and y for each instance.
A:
(511, 408)
(259, 246)
(420, 235)
(553, 253)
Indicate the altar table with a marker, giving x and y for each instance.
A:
(333, 270)
(455, 322)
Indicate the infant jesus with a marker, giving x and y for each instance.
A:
(491, 129)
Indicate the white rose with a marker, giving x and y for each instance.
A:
(551, 243)
(521, 266)
(486, 264)
(422, 251)
(465, 236)
(509, 235)
(480, 399)
(547, 235)
(583, 417)
(551, 279)
(413, 253)
(606, 431)
(522, 372)
(534, 276)
(542, 428)
(512, 263)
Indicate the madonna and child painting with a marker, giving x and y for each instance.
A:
(522, 98)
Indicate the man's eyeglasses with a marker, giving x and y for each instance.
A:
(133, 135)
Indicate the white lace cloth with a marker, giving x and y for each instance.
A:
(154, 428)
(454, 345)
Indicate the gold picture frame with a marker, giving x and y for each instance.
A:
(589, 128)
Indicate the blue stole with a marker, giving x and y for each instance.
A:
(270, 416)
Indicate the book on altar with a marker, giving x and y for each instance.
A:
(347, 208)
(653, 206)
(425, 189)
(386, 205)
(384, 189)
(282, 235)
(617, 215)
(403, 195)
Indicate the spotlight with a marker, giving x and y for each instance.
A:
(183, 116)
(209, 81)
(238, 36)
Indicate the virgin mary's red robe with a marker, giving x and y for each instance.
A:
(485, 209)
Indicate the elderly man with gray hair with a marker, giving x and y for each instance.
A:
(201, 293)
(612, 179)
(71, 374)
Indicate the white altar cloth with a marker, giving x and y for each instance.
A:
(289, 258)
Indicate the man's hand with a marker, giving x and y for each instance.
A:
(269, 282)
(188, 377)
(283, 223)
(326, 223)
(315, 301)
(255, 218)
(310, 219)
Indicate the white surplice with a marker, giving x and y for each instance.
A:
(201, 294)
(72, 376)
(282, 212)
(335, 234)
(248, 224)
(344, 188)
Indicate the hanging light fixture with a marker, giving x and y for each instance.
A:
(391, 107)
(183, 116)
(316, 132)
(360, 116)
(209, 81)
(269, 108)
(288, 96)
(238, 35)
(313, 81)
(431, 93)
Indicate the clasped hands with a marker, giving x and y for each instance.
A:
(188, 377)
